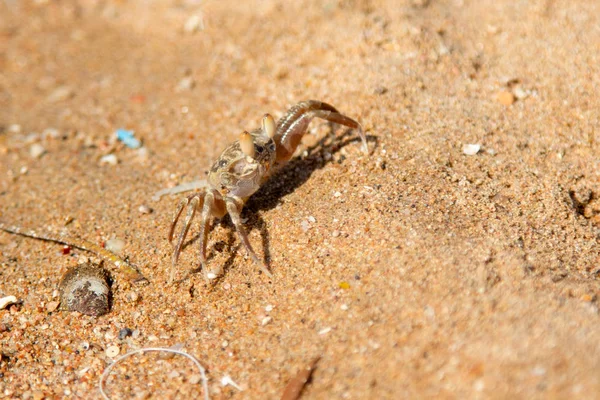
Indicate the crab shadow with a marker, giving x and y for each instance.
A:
(299, 170)
(285, 181)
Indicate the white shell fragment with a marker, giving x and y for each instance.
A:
(109, 159)
(193, 24)
(85, 289)
(115, 245)
(227, 381)
(211, 275)
(7, 301)
(144, 209)
(471, 149)
(186, 83)
(112, 351)
(325, 331)
(36, 150)
(61, 93)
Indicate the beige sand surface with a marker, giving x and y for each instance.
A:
(418, 272)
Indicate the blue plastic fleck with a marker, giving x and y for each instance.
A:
(128, 138)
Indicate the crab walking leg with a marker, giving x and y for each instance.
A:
(209, 201)
(192, 207)
(234, 212)
(132, 273)
(184, 187)
(184, 202)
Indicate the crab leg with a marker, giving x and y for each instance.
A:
(193, 203)
(180, 207)
(234, 212)
(209, 201)
(184, 187)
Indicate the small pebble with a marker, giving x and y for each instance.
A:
(211, 275)
(52, 306)
(429, 312)
(266, 320)
(38, 395)
(471, 149)
(506, 98)
(195, 379)
(60, 93)
(520, 93)
(32, 137)
(380, 90)
(7, 301)
(335, 233)
(109, 159)
(14, 128)
(123, 333)
(112, 351)
(312, 219)
(144, 209)
(50, 133)
(269, 308)
(193, 24)
(36, 150)
(115, 245)
(305, 225)
(133, 297)
(186, 83)
(142, 155)
(344, 307)
(587, 297)
(337, 194)
(538, 371)
(227, 381)
(324, 331)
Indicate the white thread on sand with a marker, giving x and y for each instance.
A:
(106, 372)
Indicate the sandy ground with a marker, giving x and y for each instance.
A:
(417, 272)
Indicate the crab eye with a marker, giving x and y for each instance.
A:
(222, 163)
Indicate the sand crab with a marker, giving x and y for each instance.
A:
(241, 169)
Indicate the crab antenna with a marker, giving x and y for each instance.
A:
(247, 144)
(268, 125)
